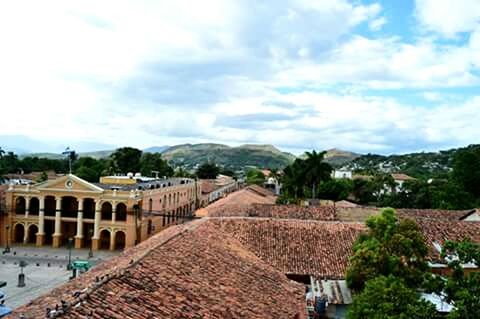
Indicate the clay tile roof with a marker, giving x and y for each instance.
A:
(196, 271)
(297, 247)
(439, 231)
(238, 201)
(401, 177)
(436, 214)
(290, 212)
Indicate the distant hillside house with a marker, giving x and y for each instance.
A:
(400, 179)
(342, 173)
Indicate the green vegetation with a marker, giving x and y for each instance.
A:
(123, 160)
(461, 289)
(231, 158)
(390, 298)
(255, 176)
(208, 171)
(390, 247)
(388, 270)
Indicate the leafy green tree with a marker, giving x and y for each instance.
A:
(462, 289)
(208, 171)
(390, 298)
(87, 173)
(43, 177)
(255, 176)
(363, 190)
(466, 169)
(335, 189)
(150, 162)
(390, 247)
(181, 172)
(126, 159)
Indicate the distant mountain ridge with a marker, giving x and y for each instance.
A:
(261, 156)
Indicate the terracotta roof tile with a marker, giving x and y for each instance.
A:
(295, 246)
(195, 272)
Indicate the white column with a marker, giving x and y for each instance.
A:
(41, 216)
(27, 208)
(96, 227)
(80, 219)
(58, 216)
(114, 213)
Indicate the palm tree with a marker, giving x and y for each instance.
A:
(316, 170)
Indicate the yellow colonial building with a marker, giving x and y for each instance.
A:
(117, 212)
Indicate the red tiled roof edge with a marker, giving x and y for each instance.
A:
(96, 278)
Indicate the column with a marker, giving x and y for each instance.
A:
(57, 236)
(114, 213)
(41, 222)
(112, 240)
(79, 236)
(27, 206)
(96, 227)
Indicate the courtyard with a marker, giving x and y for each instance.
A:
(46, 269)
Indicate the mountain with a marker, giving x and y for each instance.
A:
(337, 157)
(261, 156)
(156, 149)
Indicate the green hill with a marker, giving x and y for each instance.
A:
(419, 165)
(261, 156)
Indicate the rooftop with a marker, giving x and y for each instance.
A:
(203, 273)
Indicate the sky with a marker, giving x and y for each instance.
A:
(365, 76)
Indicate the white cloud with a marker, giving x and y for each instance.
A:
(448, 17)
(377, 24)
(143, 73)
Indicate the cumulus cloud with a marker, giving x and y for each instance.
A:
(295, 73)
(447, 17)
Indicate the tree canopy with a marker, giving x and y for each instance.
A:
(208, 171)
(390, 298)
(390, 247)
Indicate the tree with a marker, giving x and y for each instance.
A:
(466, 169)
(335, 189)
(363, 190)
(390, 247)
(126, 159)
(316, 170)
(255, 176)
(462, 289)
(150, 162)
(390, 298)
(43, 177)
(208, 171)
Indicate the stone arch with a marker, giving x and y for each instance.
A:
(106, 211)
(18, 233)
(34, 206)
(88, 208)
(20, 205)
(104, 239)
(69, 206)
(120, 239)
(50, 205)
(32, 234)
(121, 212)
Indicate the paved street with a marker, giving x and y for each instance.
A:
(46, 269)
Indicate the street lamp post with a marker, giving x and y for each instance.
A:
(90, 252)
(7, 247)
(70, 242)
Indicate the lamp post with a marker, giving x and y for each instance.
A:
(7, 247)
(70, 242)
(90, 252)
